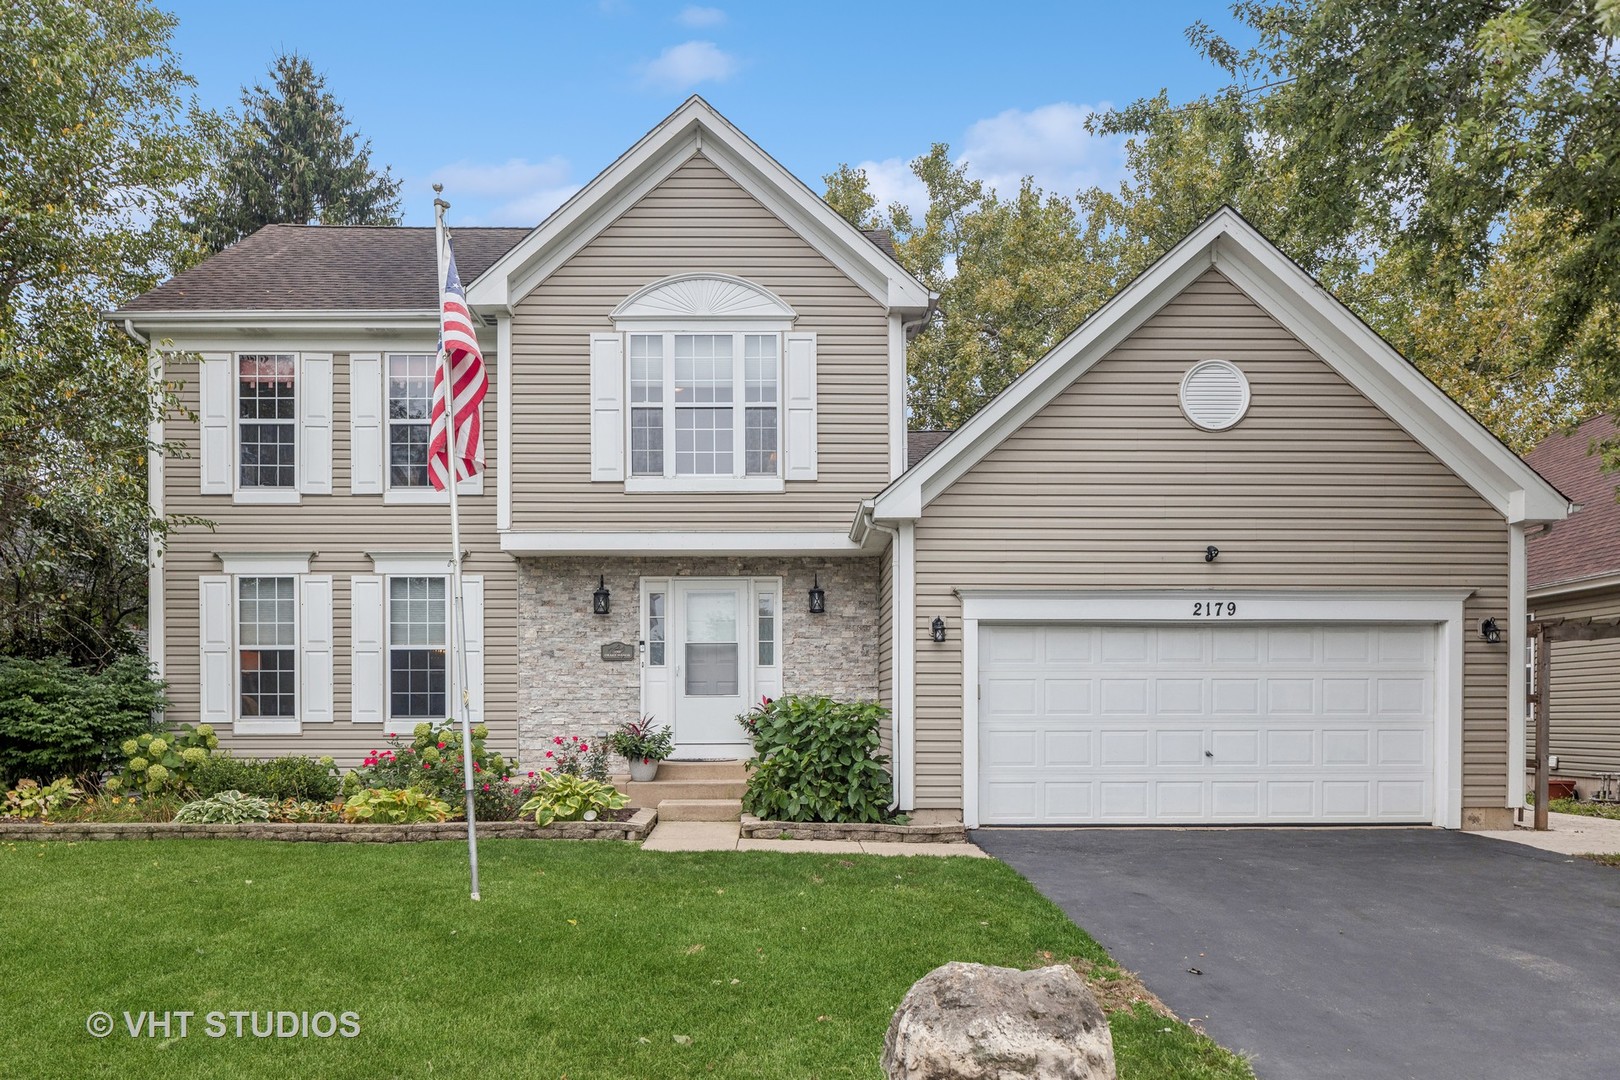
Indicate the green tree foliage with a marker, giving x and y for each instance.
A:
(57, 720)
(96, 137)
(292, 158)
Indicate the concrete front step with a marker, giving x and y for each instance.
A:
(657, 791)
(700, 810)
(701, 770)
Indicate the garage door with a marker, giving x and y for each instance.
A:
(1121, 724)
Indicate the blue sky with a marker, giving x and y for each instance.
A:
(514, 105)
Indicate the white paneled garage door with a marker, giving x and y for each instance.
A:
(1118, 724)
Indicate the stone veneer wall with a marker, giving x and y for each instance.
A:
(566, 688)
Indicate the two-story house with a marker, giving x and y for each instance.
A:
(1221, 556)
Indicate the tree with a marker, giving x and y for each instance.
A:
(1428, 140)
(96, 138)
(292, 158)
(1013, 274)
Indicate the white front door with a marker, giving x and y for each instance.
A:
(711, 670)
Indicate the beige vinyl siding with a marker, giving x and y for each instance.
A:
(341, 528)
(1111, 487)
(1585, 689)
(698, 219)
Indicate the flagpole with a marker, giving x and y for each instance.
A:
(458, 621)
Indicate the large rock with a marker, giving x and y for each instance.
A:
(974, 1022)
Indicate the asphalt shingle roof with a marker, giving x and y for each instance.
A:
(919, 444)
(1588, 544)
(325, 267)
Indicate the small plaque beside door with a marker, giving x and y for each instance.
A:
(618, 651)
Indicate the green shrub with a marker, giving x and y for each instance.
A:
(394, 806)
(432, 761)
(29, 800)
(162, 762)
(224, 808)
(575, 756)
(278, 779)
(817, 759)
(59, 720)
(567, 797)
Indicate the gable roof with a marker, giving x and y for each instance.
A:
(919, 444)
(1588, 545)
(323, 268)
(695, 127)
(1227, 242)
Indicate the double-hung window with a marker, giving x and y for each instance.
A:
(416, 648)
(705, 406)
(267, 417)
(267, 647)
(410, 399)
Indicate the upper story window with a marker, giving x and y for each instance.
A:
(710, 411)
(704, 385)
(410, 399)
(267, 412)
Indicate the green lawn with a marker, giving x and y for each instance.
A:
(583, 960)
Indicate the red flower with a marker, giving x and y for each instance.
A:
(441, 746)
(427, 764)
(548, 754)
(558, 740)
(585, 748)
(486, 787)
(531, 771)
(477, 767)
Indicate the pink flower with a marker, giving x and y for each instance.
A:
(486, 787)
(585, 748)
(548, 753)
(427, 764)
(558, 740)
(531, 771)
(441, 746)
(477, 767)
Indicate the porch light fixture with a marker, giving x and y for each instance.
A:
(1490, 631)
(937, 629)
(600, 598)
(818, 597)
(1211, 553)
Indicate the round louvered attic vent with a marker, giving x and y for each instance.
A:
(1214, 395)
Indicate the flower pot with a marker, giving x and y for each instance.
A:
(642, 770)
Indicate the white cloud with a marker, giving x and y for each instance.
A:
(516, 192)
(687, 64)
(892, 181)
(1049, 143)
(701, 16)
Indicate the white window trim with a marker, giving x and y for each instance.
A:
(264, 564)
(1440, 608)
(404, 725)
(415, 496)
(265, 496)
(739, 480)
(410, 563)
(749, 667)
(266, 725)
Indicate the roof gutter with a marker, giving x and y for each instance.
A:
(129, 328)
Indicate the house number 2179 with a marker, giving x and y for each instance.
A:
(1214, 609)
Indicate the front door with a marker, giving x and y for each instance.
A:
(711, 667)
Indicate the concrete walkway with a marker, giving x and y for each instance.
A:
(726, 836)
(1567, 834)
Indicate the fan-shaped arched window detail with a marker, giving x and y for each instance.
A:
(706, 297)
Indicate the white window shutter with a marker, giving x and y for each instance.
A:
(216, 622)
(315, 424)
(368, 674)
(366, 435)
(799, 403)
(607, 407)
(472, 604)
(315, 648)
(216, 462)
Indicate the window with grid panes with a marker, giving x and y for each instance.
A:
(267, 646)
(267, 420)
(705, 405)
(416, 648)
(410, 402)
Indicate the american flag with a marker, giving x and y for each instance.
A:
(469, 379)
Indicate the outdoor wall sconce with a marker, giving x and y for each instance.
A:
(1490, 631)
(601, 597)
(818, 597)
(937, 629)
(1211, 553)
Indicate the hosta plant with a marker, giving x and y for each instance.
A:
(224, 808)
(29, 800)
(566, 797)
(394, 806)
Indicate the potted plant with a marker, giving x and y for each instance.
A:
(643, 746)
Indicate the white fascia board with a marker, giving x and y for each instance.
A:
(698, 543)
(904, 499)
(1393, 383)
(1228, 243)
(420, 338)
(692, 127)
(503, 423)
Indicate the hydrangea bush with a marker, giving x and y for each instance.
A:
(162, 762)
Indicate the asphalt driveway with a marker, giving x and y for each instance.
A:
(1353, 953)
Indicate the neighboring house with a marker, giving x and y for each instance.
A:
(698, 401)
(1575, 573)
